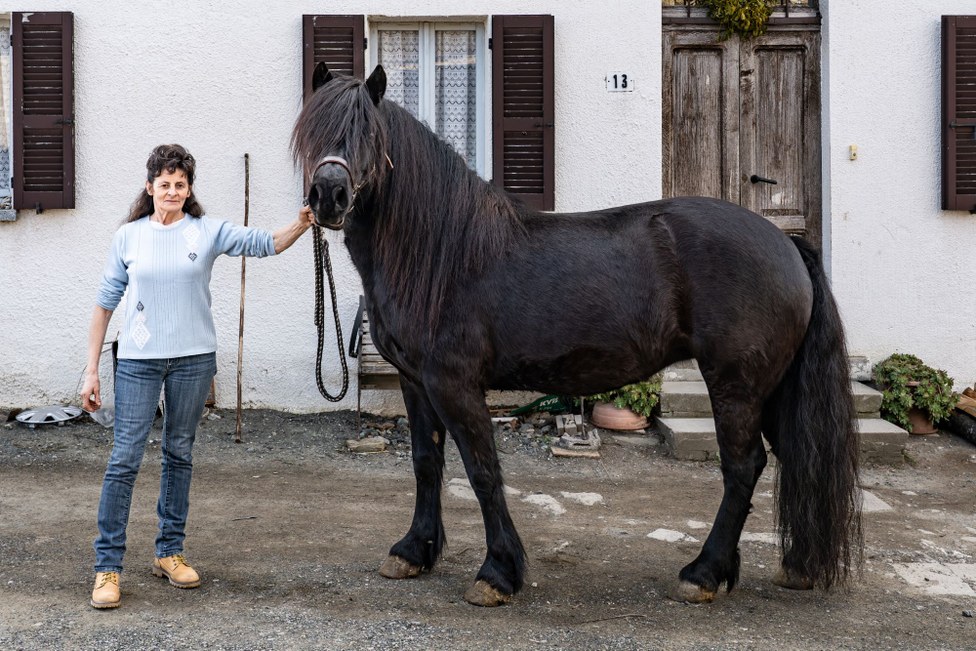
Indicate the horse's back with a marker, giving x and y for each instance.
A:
(624, 291)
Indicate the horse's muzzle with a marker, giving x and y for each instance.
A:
(330, 200)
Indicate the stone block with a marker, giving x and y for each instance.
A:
(685, 399)
(867, 401)
(683, 371)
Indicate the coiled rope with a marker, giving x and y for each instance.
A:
(320, 248)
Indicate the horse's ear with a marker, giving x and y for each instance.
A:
(321, 76)
(376, 84)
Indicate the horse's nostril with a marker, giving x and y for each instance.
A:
(313, 197)
(340, 198)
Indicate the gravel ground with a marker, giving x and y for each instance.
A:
(288, 530)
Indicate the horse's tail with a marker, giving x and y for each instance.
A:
(812, 415)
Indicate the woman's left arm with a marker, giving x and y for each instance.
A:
(289, 234)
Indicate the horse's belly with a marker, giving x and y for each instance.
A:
(582, 371)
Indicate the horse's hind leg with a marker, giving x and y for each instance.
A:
(421, 547)
(743, 458)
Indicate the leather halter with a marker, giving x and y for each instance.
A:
(337, 160)
(344, 164)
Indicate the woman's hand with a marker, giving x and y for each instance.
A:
(91, 399)
(285, 236)
(306, 215)
(91, 390)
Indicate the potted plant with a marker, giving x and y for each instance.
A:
(746, 18)
(913, 395)
(626, 408)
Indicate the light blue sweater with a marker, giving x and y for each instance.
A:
(166, 270)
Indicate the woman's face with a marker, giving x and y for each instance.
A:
(169, 190)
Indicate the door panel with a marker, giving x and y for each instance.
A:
(734, 109)
(779, 93)
(701, 124)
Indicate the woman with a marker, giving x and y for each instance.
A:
(162, 258)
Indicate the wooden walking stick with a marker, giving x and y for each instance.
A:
(240, 334)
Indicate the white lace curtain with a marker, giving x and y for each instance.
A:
(452, 69)
(455, 90)
(399, 54)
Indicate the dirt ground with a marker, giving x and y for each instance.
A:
(288, 530)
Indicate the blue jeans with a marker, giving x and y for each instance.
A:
(185, 382)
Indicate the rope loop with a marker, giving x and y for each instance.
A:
(320, 249)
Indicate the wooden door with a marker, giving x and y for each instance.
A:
(740, 114)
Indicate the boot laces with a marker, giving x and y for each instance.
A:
(180, 559)
(109, 577)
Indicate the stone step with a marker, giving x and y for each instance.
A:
(684, 371)
(693, 439)
(867, 401)
(881, 441)
(685, 399)
(689, 399)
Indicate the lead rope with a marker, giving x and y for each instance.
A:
(320, 248)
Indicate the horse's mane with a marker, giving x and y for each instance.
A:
(435, 221)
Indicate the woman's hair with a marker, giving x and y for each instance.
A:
(166, 158)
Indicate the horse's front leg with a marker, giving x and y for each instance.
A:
(421, 547)
(466, 416)
(743, 459)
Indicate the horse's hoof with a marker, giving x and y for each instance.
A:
(483, 594)
(397, 567)
(789, 579)
(689, 593)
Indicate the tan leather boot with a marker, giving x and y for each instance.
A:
(106, 593)
(177, 570)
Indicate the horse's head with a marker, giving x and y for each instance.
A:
(339, 140)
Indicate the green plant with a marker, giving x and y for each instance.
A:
(747, 18)
(640, 397)
(905, 382)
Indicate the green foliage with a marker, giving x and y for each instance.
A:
(905, 382)
(640, 397)
(746, 18)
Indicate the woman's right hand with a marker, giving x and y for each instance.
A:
(91, 399)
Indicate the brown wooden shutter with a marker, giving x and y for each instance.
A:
(339, 41)
(43, 110)
(959, 113)
(523, 148)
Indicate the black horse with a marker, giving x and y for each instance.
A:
(469, 290)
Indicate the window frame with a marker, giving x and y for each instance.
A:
(427, 27)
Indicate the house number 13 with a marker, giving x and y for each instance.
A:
(619, 82)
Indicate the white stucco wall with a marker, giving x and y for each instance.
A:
(904, 270)
(226, 81)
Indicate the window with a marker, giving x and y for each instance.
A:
(440, 70)
(958, 113)
(36, 112)
(436, 71)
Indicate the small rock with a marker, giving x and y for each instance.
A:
(367, 445)
(967, 613)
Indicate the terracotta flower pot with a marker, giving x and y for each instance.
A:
(921, 424)
(608, 416)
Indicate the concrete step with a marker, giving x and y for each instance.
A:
(689, 399)
(685, 399)
(684, 371)
(693, 439)
(881, 441)
(867, 401)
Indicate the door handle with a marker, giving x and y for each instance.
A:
(755, 178)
